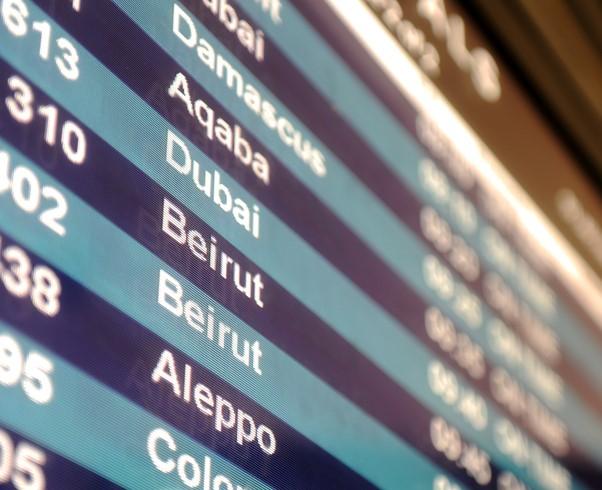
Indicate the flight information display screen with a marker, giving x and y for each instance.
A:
(256, 244)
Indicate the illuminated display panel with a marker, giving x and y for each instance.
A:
(281, 244)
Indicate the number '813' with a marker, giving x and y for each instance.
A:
(16, 18)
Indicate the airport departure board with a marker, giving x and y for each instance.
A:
(287, 244)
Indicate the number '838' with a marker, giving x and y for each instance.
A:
(21, 280)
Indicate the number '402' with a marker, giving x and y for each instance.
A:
(32, 196)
